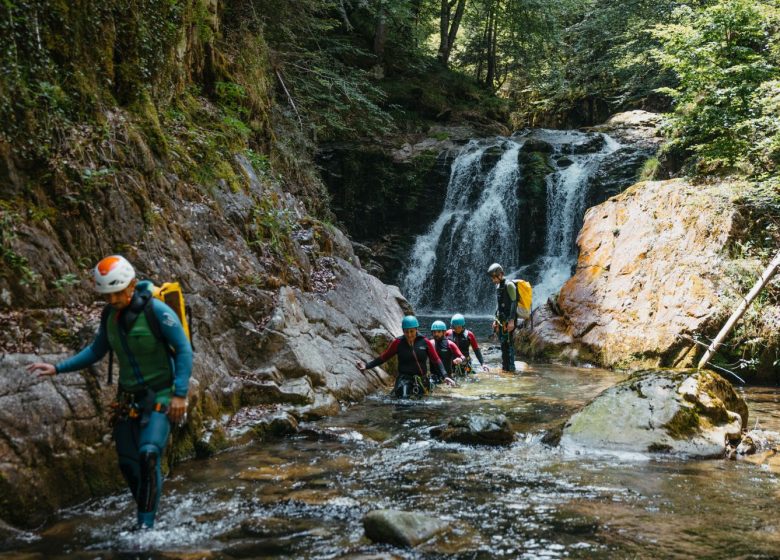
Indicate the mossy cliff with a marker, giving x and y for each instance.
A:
(153, 131)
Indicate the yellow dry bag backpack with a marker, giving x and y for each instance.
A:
(524, 298)
(170, 293)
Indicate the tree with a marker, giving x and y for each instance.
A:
(450, 16)
(726, 60)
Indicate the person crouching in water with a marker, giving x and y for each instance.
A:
(414, 351)
(154, 376)
(447, 351)
(465, 339)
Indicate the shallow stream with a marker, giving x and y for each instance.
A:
(305, 497)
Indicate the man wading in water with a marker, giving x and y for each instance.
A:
(506, 314)
(413, 351)
(154, 376)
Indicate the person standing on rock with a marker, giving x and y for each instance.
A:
(506, 315)
(465, 339)
(414, 351)
(155, 363)
(447, 351)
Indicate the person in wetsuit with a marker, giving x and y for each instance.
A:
(155, 363)
(414, 351)
(506, 315)
(465, 340)
(447, 351)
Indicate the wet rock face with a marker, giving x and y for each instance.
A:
(476, 429)
(386, 198)
(401, 528)
(618, 170)
(688, 412)
(649, 270)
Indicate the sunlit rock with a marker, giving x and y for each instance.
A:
(769, 460)
(402, 528)
(687, 412)
(639, 128)
(650, 271)
(476, 429)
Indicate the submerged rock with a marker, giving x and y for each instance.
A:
(476, 429)
(401, 528)
(689, 412)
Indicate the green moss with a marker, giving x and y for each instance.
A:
(684, 424)
(536, 166)
(149, 121)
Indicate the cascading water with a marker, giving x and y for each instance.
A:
(482, 214)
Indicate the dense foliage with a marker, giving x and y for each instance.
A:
(727, 100)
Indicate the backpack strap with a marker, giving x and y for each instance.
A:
(154, 323)
(154, 326)
(104, 325)
(511, 290)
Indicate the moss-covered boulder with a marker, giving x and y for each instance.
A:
(686, 412)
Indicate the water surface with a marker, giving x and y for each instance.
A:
(305, 497)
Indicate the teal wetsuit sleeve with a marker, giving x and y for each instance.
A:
(89, 355)
(173, 332)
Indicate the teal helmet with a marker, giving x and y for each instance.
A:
(458, 320)
(409, 322)
(438, 326)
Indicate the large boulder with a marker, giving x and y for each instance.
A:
(687, 412)
(649, 275)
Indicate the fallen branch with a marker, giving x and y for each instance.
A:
(290, 99)
(757, 287)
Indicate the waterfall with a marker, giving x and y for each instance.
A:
(482, 215)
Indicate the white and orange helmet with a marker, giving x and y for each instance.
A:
(113, 274)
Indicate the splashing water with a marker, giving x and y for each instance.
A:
(481, 215)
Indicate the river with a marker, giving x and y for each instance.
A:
(305, 497)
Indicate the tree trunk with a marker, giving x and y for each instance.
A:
(449, 24)
(380, 34)
(490, 77)
(444, 32)
(757, 287)
(455, 25)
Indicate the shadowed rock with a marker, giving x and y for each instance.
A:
(476, 429)
(401, 528)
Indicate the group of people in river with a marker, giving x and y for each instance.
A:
(448, 350)
(152, 347)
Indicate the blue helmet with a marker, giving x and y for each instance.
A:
(458, 320)
(409, 322)
(438, 326)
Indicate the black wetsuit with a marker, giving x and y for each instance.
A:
(412, 364)
(464, 341)
(506, 297)
(447, 351)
